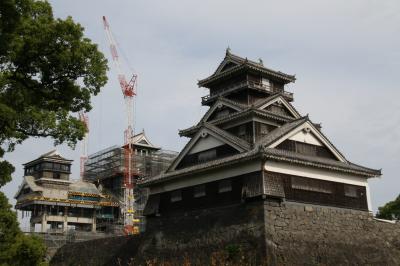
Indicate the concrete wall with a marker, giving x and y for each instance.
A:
(258, 233)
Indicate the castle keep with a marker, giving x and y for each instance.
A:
(257, 184)
(252, 143)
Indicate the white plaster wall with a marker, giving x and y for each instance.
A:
(305, 137)
(206, 143)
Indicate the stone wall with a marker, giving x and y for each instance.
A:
(298, 234)
(230, 234)
(254, 233)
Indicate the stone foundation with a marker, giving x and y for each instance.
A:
(299, 234)
(257, 233)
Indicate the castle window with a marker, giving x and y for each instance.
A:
(311, 185)
(176, 196)
(265, 83)
(263, 129)
(350, 191)
(56, 176)
(47, 165)
(199, 191)
(242, 131)
(225, 186)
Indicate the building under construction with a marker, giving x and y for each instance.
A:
(106, 169)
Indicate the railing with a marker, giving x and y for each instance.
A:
(250, 84)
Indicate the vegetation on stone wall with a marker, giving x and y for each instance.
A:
(390, 210)
(48, 71)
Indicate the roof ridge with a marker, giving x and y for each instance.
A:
(272, 97)
(260, 102)
(245, 62)
(307, 159)
(241, 142)
(243, 59)
(238, 114)
(238, 104)
(248, 155)
(280, 131)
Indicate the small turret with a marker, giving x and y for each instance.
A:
(50, 165)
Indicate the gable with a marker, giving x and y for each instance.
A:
(221, 112)
(279, 110)
(306, 139)
(203, 156)
(280, 106)
(220, 109)
(205, 141)
(225, 65)
(141, 139)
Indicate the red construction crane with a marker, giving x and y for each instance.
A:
(128, 91)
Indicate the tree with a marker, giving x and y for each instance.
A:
(48, 72)
(390, 210)
(15, 247)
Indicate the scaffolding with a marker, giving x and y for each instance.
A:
(110, 162)
(106, 169)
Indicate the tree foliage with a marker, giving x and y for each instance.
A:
(390, 210)
(48, 72)
(15, 247)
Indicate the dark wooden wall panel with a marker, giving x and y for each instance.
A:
(336, 197)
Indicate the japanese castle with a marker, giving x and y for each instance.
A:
(253, 144)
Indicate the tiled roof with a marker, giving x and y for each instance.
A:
(142, 140)
(240, 105)
(260, 149)
(281, 131)
(261, 102)
(244, 145)
(297, 158)
(245, 156)
(249, 111)
(84, 187)
(52, 155)
(244, 63)
(266, 153)
(238, 141)
(220, 100)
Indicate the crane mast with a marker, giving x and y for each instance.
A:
(83, 117)
(128, 89)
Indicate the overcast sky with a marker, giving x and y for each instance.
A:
(345, 54)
